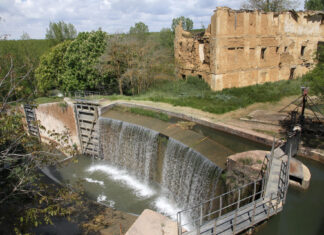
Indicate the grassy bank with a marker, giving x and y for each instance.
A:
(196, 93)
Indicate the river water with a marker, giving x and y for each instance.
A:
(117, 187)
(303, 213)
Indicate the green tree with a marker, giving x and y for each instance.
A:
(187, 23)
(24, 36)
(24, 199)
(270, 5)
(51, 66)
(139, 28)
(60, 31)
(315, 5)
(135, 63)
(167, 38)
(115, 58)
(80, 61)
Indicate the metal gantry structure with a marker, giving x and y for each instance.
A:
(245, 206)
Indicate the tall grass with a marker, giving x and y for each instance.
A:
(195, 93)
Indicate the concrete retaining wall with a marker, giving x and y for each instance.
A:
(57, 117)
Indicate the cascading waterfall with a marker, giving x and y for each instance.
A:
(187, 176)
(129, 146)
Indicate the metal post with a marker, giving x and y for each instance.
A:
(215, 226)
(179, 223)
(253, 215)
(220, 206)
(254, 191)
(237, 208)
(277, 203)
(269, 206)
(201, 213)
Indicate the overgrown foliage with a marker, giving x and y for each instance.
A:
(315, 78)
(135, 63)
(270, 5)
(25, 200)
(187, 23)
(24, 55)
(166, 37)
(315, 5)
(60, 31)
(80, 59)
(139, 28)
(51, 67)
(71, 65)
(195, 93)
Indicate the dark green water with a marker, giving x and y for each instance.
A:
(303, 213)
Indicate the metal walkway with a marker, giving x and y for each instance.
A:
(244, 207)
(87, 115)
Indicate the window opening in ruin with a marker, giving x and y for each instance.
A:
(199, 76)
(183, 76)
(302, 51)
(263, 52)
(286, 49)
(292, 73)
(231, 48)
(277, 49)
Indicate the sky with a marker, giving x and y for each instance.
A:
(113, 16)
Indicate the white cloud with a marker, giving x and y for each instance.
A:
(33, 16)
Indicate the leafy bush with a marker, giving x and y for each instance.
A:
(80, 60)
(51, 67)
(71, 65)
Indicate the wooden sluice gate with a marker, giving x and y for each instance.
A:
(87, 121)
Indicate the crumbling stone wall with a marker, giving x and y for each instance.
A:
(242, 48)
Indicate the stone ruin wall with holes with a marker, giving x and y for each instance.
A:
(242, 48)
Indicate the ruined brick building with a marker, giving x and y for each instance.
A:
(242, 48)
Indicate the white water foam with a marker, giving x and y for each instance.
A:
(166, 207)
(141, 189)
(103, 198)
(94, 181)
(170, 209)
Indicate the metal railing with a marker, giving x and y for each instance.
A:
(222, 202)
(221, 207)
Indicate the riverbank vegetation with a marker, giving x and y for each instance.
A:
(195, 93)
